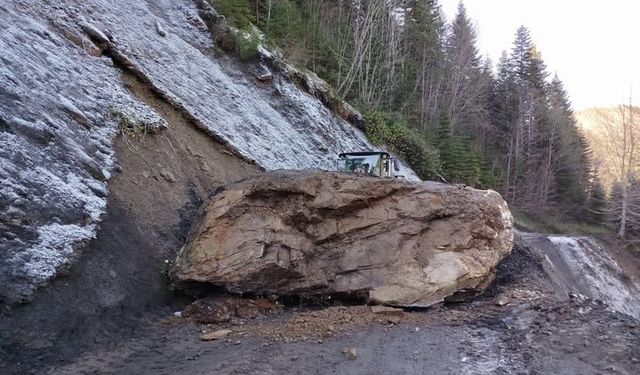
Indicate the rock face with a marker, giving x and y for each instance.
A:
(311, 232)
(64, 99)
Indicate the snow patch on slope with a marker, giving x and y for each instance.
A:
(55, 247)
(56, 141)
(592, 267)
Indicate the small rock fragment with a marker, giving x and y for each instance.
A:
(215, 335)
(108, 34)
(160, 30)
(502, 301)
(96, 35)
(74, 112)
(265, 304)
(206, 311)
(203, 165)
(350, 353)
(380, 309)
(261, 72)
(167, 175)
(393, 319)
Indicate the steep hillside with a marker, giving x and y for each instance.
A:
(70, 72)
(118, 119)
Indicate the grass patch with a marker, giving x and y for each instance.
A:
(554, 225)
(128, 125)
(246, 44)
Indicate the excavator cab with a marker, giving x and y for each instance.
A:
(369, 163)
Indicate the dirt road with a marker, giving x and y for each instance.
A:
(530, 340)
(535, 331)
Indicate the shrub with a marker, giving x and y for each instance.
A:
(246, 44)
(238, 13)
(411, 146)
(128, 125)
(418, 154)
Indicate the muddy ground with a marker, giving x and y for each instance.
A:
(520, 326)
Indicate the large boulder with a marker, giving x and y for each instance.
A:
(311, 232)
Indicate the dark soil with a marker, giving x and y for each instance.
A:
(533, 332)
(119, 285)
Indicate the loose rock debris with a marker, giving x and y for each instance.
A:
(222, 310)
(267, 319)
(214, 335)
(350, 353)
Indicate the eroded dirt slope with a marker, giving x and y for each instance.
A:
(119, 282)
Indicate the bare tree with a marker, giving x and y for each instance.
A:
(374, 53)
(615, 140)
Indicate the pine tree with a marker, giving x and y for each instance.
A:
(521, 53)
(572, 154)
(633, 224)
(444, 141)
(239, 12)
(281, 20)
(596, 207)
(531, 132)
(466, 87)
(423, 74)
(537, 73)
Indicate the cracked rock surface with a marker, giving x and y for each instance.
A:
(310, 232)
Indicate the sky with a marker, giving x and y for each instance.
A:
(590, 44)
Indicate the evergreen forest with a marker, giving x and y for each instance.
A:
(430, 96)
